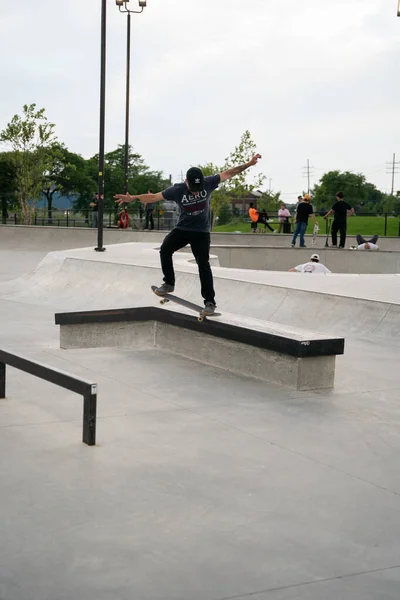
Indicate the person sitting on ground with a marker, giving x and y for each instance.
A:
(123, 219)
(367, 245)
(283, 217)
(263, 218)
(313, 266)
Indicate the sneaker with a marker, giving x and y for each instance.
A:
(209, 309)
(303, 246)
(164, 289)
(292, 245)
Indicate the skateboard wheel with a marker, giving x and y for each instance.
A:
(162, 301)
(200, 319)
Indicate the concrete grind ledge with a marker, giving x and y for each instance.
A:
(292, 358)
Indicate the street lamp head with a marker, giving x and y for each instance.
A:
(143, 3)
(120, 2)
(398, 9)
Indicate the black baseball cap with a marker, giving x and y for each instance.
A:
(195, 179)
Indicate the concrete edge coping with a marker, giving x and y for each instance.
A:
(244, 330)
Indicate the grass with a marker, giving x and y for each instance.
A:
(365, 225)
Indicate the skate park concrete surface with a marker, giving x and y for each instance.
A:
(203, 484)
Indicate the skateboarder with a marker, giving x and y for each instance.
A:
(303, 211)
(193, 226)
(341, 211)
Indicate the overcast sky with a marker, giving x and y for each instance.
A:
(313, 79)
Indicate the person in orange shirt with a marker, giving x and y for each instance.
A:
(254, 216)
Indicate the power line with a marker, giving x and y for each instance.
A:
(392, 169)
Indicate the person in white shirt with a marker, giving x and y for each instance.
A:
(367, 245)
(313, 266)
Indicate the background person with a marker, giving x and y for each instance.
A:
(263, 218)
(95, 210)
(313, 266)
(367, 245)
(341, 210)
(123, 219)
(253, 214)
(303, 212)
(149, 224)
(283, 217)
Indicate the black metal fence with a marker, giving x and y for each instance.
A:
(160, 219)
(386, 224)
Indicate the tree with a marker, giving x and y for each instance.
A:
(67, 174)
(141, 178)
(29, 136)
(220, 199)
(270, 201)
(245, 182)
(239, 186)
(8, 184)
(353, 185)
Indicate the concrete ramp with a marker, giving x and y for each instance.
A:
(365, 305)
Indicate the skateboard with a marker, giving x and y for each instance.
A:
(190, 305)
(314, 236)
(328, 231)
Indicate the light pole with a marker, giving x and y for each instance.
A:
(100, 247)
(398, 9)
(123, 8)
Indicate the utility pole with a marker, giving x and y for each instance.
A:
(307, 173)
(392, 169)
(100, 247)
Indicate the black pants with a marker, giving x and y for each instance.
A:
(149, 219)
(361, 240)
(340, 226)
(200, 244)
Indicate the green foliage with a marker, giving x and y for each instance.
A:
(29, 136)
(67, 175)
(8, 185)
(140, 179)
(239, 186)
(269, 201)
(245, 182)
(220, 199)
(358, 192)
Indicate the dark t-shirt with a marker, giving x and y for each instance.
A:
(341, 207)
(304, 210)
(194, 210)
(95, 208)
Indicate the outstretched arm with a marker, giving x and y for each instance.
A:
(143, 198)
(237, 170)
(329, 213)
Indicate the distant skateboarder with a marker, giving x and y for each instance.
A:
(341, 211)
(193, 226)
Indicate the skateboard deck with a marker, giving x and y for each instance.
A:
(190, 305)
(315, 232)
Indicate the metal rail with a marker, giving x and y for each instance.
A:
(85, 388)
